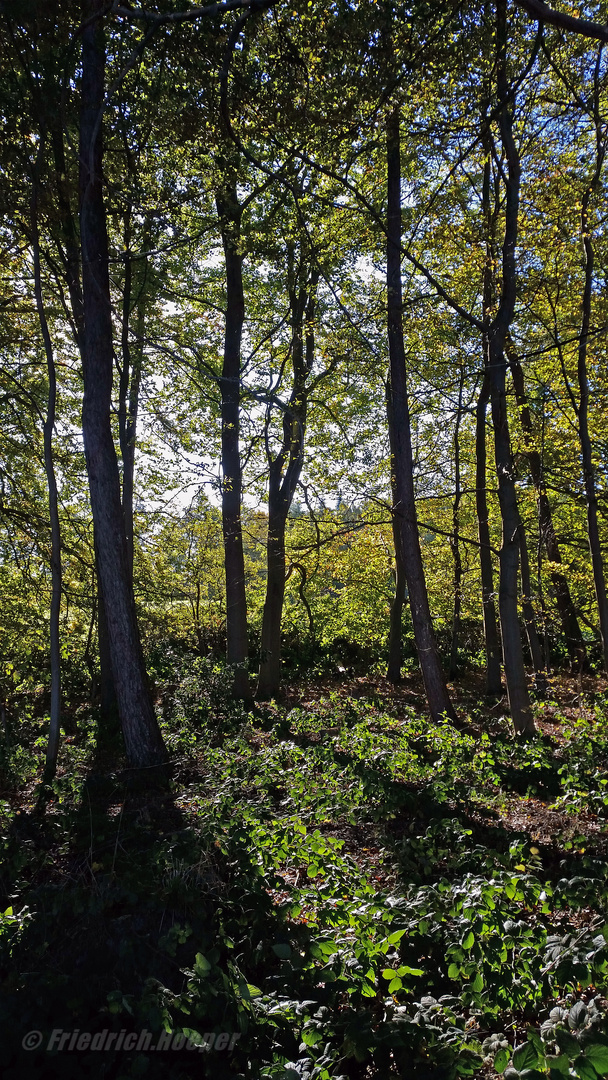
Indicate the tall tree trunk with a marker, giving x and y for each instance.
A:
(69, 244)
(455, 542)
(404, 510)
(490, 625)
(229, 213)
(595, 547)
(519, 700)
(395, 640)
(109, 725)
(513, 657)
(536, 653)
(282, 484)
(134, 299)
(270, 666)
(52, 749)
(563, 599)
(143, 740)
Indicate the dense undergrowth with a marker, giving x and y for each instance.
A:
(343, 888)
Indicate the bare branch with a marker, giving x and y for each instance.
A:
(539, 10)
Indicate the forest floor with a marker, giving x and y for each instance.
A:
(333, 887)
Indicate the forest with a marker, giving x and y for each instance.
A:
(303, 539)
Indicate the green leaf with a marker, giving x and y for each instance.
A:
(598, 1056)
(584, 1069)
(525, 1057)
(577, 1015)
(501, 1060)
(193, 1036)
(202, 966)
(559, 1065)
(453, 971)
(249, 991)
(395, 985)
(281, 950)
(468, 940)
(310, 1036)
(567, 1042)
(536, 1041)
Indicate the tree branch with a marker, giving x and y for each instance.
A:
(539, 10)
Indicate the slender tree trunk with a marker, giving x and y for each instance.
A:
(517, 689)
(565, 606)
(282, 485)
(56, 570)
(455, 542)
(71, 256)
(270, 667)
(490, 625)
(109, 727)
(395, 640)
(143, 741)
(543, 605)
(595, 548)
(536, 653)
(404, 509)
(229, 213)
(515, 674)
(128, 456)
(134, 303)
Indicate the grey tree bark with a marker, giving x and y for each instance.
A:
(286, 466)
(455, 541)
(563, 598)
(395, 640)
(130, 372)
(143, 740)
(52, 749)
(490, 624)
(237, 647)
(513, 658)
(595, 547)
(488, 596)
(404, 510)
(68, 240)
(536, 652)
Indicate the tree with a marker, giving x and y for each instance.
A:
(404, 509)
(497, 331)
(565, 605)
(229, 214)
(285, 465)
(582, 408)
(49, 465)
(143, 741)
